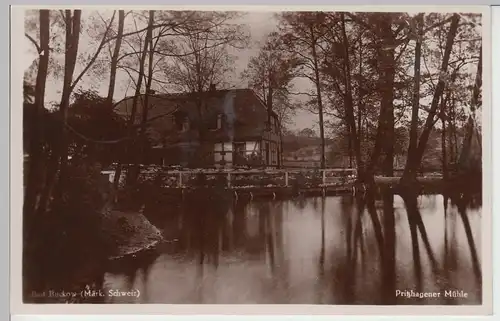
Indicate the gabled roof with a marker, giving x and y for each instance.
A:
(243, 110)
(237, 103)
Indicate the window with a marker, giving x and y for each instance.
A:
(252, 148)
(181, 121)
(274, 154)
(185, 125)
(223, 153)
(240, 148)
(216, 122)
(239, 152)
(265, 153)
(219, 121)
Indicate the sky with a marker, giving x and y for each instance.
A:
(260, 24)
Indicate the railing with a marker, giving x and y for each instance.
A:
(250, 178)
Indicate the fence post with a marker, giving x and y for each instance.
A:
(324, 177)
(286, 178)
(229, 180)
(180, 179)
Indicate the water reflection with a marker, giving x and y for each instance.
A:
(333, 250)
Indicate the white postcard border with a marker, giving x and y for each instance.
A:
(17, 307)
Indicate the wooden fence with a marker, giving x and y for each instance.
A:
(241, 179)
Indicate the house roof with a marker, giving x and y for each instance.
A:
(239, 102)
(241, 107)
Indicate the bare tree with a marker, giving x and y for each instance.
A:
(301, 33)
(202, 60)
(59, 156)
(133, 175)
(35, 152)
(114, 58)
(270, 74)
(417, 150)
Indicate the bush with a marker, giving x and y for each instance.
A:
(68, 237)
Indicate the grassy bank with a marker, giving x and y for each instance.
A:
(131, 233)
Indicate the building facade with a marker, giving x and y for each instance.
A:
(219, 128)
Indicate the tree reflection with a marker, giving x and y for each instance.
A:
(462, 202)
(322, 251)
(203, 220)
(357, 261)
(350, 265)
(377, 227)
(412, 211)
(389, 259)
(269, 231)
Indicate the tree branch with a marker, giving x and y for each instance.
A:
(38, 49)
(437, 24)
(96, 54)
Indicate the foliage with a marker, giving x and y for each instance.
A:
(201, 58)
(92, 122)
(270, 74)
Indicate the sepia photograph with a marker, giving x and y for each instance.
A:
(262, 157)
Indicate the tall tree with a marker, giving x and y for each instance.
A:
(301, 33)
(386, 32)
(129, 152)
(418, 150)
(466, 162)
(59, 156)
(35, 151)
(270, 74)
(417, 31)
(149, 82)
(114, 58)
(202, 61)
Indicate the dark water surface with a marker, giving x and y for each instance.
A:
(307, 251)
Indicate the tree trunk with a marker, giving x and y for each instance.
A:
(114, 58)
(348, 103)
(318, 92)
(412, 148)
(59, 157)
(360, 91)
(389, 71)
(148, 91)
(450, 135)
(384, 140)
(349, 147)
(444, 155)
(132, 178)
(72, 41)
(36, 149)
(442, 115)
(455, 134)
(415, 161)
(464, 160)
(111, 89)
(269, 101)
(270, 106)
(32, 275)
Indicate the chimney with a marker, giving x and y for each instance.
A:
(212, 87)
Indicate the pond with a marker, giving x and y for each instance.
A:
(308, 251)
